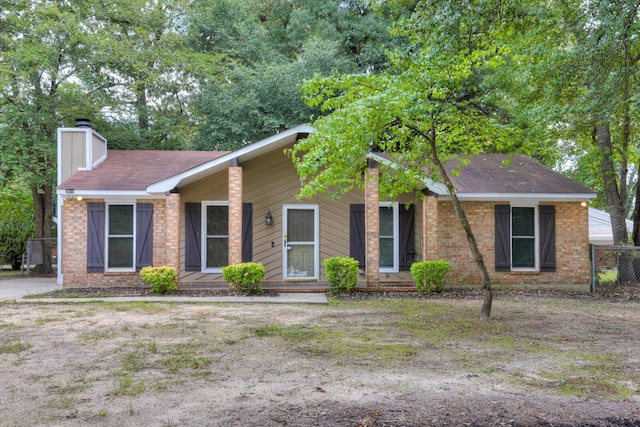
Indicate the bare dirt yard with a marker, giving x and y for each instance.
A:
(539, 361)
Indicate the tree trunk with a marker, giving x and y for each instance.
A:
(614, 200)
(485, 312)
(636, 215)
(42, 204)
(142, 108)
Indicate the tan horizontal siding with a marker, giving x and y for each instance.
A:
(270, 182)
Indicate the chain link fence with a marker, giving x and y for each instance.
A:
(615, 268)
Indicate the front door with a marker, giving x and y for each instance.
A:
(300, 242)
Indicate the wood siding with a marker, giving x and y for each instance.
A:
(98, 148)
(270, 182)
(74, 152)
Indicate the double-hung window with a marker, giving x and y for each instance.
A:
(120, 237)
(215, 234)
(396, 236)
(389, 237)
(525, 238)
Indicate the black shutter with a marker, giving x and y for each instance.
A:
(356, 234)
(503, 238)
(547, 238)
(192, 222)
(247, 232)
(95, 237)
(144, 235)
(407, 238)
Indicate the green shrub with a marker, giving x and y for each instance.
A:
(430, 275)
(342, 274)
(162, 279)
(245, 278)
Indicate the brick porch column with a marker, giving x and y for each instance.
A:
(372, 226)
(172, 232)
(235, 215)
(430, 227)
(74, 243)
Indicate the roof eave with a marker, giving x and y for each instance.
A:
(105, 194)
(514, 197)
(436, 187)
(221, 163)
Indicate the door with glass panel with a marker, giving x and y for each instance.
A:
(300, 242)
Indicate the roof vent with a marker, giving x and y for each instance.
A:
(83, 123)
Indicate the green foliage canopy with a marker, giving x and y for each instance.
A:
(438, 92)
(16, 224)
(268, 49)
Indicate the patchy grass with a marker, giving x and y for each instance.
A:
(97, 335)
(135, 352)
(142, 306)
(13, 345)
(588, 375)
(8, 273)
(64, 294)
(126, 384)
(49, 319)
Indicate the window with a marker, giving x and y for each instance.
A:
(397, 251)
(195, 236)
(120, 237)
(388, 237)
(216, 235)
(525, 238)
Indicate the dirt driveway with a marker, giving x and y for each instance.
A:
(397, 362)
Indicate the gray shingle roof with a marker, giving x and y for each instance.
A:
(503, 173)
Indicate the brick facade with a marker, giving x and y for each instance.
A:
(445, 239)
(74, 244)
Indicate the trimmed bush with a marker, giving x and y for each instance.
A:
(162, 279)
(430, 275)
(245, 278)
(342, 274)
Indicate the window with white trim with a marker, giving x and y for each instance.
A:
(523, 238)
(120, 234)
(388, 237)
(215, 235)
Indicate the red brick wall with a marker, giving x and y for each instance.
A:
(74, 246)
(445, 239)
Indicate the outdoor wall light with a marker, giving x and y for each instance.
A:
(268, 219)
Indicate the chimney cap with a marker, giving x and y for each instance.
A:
(83, 123)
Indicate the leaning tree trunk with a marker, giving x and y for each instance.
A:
(614, 200)
(485, 312)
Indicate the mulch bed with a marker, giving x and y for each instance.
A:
(624, 295)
